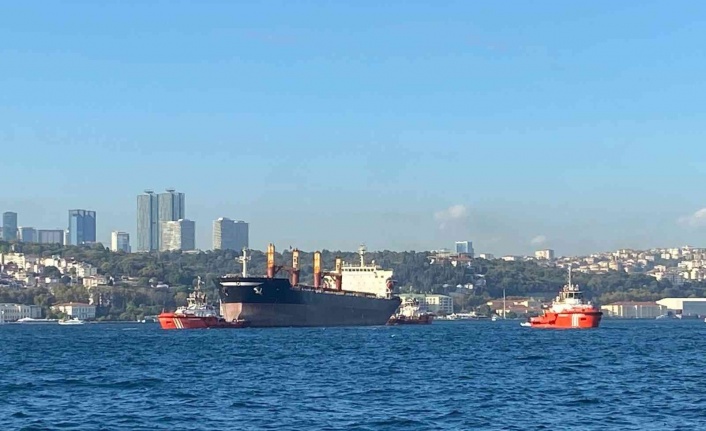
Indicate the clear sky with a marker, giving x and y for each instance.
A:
(402, 124)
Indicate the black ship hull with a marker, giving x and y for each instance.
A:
(273, 302)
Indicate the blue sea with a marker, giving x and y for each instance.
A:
(625, 375)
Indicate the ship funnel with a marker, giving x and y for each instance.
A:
(317, 270)
(295, 267)
(339, 273)
(270, 261)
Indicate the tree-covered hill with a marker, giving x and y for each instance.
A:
(135, 273)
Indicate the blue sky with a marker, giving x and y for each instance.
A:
(405, 124)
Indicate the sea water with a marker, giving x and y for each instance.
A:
(625, 375)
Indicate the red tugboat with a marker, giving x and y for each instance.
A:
(197, 314)
(411, 312)
(569, 310)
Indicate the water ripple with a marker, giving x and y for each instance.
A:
(449, 375)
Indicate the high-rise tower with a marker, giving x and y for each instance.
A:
(82, 227)
(147, 222)
(229, 234)
(9, 226)
(171, 205)
(152, 210)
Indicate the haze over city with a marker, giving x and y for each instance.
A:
(403, 126)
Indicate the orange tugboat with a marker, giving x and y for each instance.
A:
(197, 314)
(411, 313)
(569, 310)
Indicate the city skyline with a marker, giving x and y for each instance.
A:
(408, 128)
(452, 215)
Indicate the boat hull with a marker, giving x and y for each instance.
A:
(568, 320)
(176, 321)
(402, 320)
(273, 302)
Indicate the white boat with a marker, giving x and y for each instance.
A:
(37, 321)
(525, 324)
(73, 321)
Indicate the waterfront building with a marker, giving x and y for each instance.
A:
(178, 235)
(120, 241)
(685, 306)
(9, 226)
(634, 310)
(82, 227)
(230, 235)
(15, 312)
(27, 234)
(78, 310)
(50, 236)
(547, 254)
(464, 247)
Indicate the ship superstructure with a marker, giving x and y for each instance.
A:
(364, 278)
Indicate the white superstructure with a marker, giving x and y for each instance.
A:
(570, 299)
(364, 278)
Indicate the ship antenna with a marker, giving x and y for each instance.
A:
(244, 261)
(570, 285)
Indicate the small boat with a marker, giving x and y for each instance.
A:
(197, 314)
(37, 321)
(72, 321)
(411, 312)
(569, 310)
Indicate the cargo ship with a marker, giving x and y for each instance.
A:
(568, 310)
(349, 295)
(197, 314)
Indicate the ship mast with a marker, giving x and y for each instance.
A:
(361, 252)
(504, 306)
(244, 261)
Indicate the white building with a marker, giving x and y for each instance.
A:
(634, 309)
(77, 309)
(15, 312)
(685, 306)
(230, 235)
(547, 254)
(177, 235)
(486, 256)
(94, 281)
(120, 241)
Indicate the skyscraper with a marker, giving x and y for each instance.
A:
(147, 222)
(152, 209)
(120, 241)
(171, 206)
(82, 227)
(9, 226)
(27, 234)
(464, 247)
(178, 235)
(229, 235)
